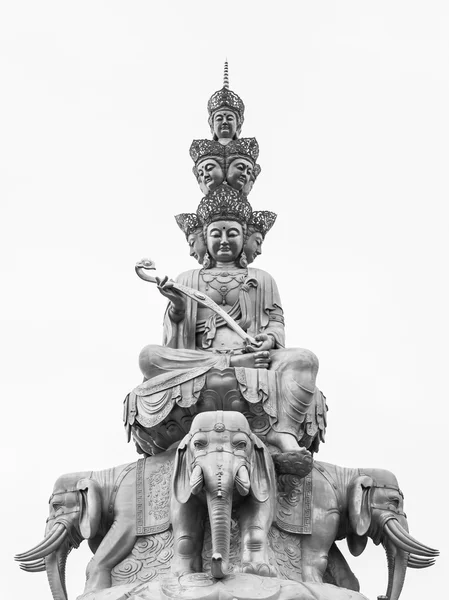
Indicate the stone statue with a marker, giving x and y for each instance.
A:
(227, 501)
(197, 341)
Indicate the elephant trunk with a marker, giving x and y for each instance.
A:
(402, 551)
(55, 566)
(397, 567)
(220, 520)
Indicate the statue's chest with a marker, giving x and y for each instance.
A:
(222, 286)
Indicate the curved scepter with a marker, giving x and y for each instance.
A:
(148, 265)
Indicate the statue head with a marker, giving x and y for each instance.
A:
(224, 241)
(226, 112)
(224, 214)
(261, 222)
(209, 159)
(193, 230)
(224, 124)
(241, 157)
(238, 173)
(209, 174)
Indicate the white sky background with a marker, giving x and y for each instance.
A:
(99, 104)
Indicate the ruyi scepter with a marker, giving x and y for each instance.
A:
(148, 265)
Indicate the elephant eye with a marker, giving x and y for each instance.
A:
(200, 443)
(241, 445)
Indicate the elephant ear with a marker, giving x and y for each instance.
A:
(182, 472)
(90, 507)
(261, 476)
(356, 543)
(359, 494)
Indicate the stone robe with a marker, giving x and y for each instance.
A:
(284, 397)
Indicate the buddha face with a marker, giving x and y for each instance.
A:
(197, 245)
(210, 174)
(253, 246)
(239, 173)
(224, 241)
(224, 124)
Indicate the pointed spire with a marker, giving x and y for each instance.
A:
(226, 75)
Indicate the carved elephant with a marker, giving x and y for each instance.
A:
(356, 504)
(218, 465)
(98, 506)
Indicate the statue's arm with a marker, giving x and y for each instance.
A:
(275, 328)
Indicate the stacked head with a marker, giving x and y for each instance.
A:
(226, 169)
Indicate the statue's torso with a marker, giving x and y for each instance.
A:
(223, 286)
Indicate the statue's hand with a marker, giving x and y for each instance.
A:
(165, 286)
(265, 342)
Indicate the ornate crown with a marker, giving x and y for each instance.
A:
(224, 203)
(200, 149)
(262, 220)
(226, 98)
(246, 147)
(188, 223)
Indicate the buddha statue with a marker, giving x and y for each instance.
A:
(278, 383)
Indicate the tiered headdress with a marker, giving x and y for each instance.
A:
(188, 223)
(225, 202)
(262, 221)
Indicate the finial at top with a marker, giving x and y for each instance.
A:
(226, 75)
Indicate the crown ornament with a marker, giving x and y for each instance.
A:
(244, 147)
(224, 203)
(201, 149)
(188, 223)
(262, 221)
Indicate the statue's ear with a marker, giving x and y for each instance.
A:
(90, 507)
(356, 543)
(261, 479)
(182, 472)
(359, 509)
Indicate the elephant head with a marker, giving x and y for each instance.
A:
(222, 459)
(75, 511)
(376, 509)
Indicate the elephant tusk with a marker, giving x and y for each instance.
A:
(242, 481)
(33, 567)
(196, 479)
(402, 539)
(46, 547)
(418, 562)
(54, 533)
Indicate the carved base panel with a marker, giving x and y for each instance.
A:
(238, 586)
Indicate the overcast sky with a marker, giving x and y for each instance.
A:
(99, 104)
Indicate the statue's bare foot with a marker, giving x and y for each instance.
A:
(296, 462)
(261, 569)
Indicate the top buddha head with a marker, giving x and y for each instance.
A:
(226, 113)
